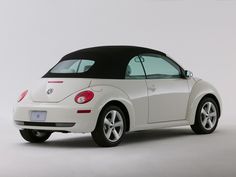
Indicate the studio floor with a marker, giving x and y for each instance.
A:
(167, 152)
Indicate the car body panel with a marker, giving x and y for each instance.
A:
(61, 89)
(171, 96)
(131, 93)
(133, 96)
(60, 112)
(200, 89)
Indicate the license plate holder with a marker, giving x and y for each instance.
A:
(38, 116)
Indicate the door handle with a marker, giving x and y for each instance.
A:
(152, 88)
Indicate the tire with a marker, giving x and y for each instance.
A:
(207, 116)
(110, 128)
(35, 136)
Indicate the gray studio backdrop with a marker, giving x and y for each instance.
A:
(34, 35)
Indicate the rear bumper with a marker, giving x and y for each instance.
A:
(60, 117)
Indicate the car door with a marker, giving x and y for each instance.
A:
(168, 90)
(135, 86)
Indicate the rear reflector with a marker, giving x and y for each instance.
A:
(83, 111)
(55, 82)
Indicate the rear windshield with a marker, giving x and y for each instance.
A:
(73, 66)
(102, 68)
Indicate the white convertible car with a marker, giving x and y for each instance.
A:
(111, 90)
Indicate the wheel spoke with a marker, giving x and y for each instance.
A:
(117, 136)
(203, 111)
(210, 123)
(107, 122)
(204, 122)
(113, 116)
(209, 104)
(118, 124)
(108, 133)
(212, 114)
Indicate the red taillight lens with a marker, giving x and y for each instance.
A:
(22, 95)
(84, 97)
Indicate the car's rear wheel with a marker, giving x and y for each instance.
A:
(35, 136)
(207, 116)
(110, 128)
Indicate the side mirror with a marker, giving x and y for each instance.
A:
(188, 74)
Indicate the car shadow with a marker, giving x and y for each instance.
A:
(156, 135)
(138, 137)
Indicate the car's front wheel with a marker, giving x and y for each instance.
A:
(110, 128)
(35, 136)
(207, 116)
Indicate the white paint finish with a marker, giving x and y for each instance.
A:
(168, 99)
(64, 111)
(191, 82)
(165, 106)
(164, 124)
(199, 90)
(69, 86)
(136, 93)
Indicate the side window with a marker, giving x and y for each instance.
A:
(73, 66)
(134, 69)
(85, 65)
(159, 67)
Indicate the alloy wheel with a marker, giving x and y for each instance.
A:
(113, 126)
(208, 115)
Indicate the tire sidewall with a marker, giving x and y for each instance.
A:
(100, 124)
(198, 115)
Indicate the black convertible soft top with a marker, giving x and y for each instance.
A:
(110, 61)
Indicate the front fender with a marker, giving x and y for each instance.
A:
(199, 90)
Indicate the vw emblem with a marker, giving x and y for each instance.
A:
(49, 91)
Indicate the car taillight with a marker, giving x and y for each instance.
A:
(84, 97)
(22, 95)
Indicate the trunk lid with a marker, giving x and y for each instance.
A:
(53, 90)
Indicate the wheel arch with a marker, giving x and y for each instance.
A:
(122, 107)
(210, 95)
(107, 95)
(200, 90)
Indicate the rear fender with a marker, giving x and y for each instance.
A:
(105, 94)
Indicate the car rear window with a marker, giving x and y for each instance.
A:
(73, 66)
